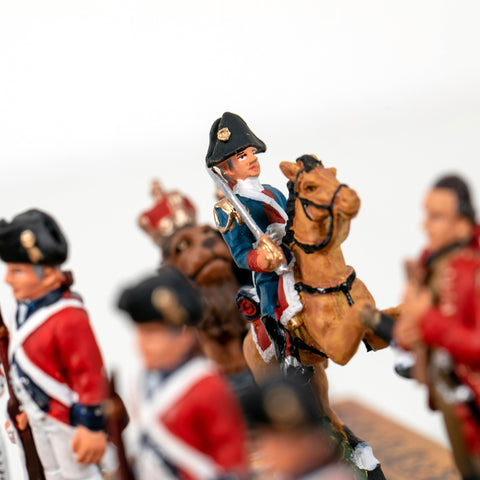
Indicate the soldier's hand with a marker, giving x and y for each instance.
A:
(89, 446)
(21, 420)
(406, 333)
(269, 254)
(416, 301)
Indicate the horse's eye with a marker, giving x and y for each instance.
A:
(310, 188)
(182, 245)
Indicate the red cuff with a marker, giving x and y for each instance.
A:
(252, 257)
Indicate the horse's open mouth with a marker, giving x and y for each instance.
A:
(213, 269)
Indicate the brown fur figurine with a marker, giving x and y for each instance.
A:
(200, 253)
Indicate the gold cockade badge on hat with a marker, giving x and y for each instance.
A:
(223, 134)
(167, 304)
(27, 240)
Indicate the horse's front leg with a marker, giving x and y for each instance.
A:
(319, 384)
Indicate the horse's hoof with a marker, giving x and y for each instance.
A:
(376, 474)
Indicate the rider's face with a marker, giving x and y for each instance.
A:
(245, 165)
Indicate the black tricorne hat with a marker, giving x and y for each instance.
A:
(32, 237)
(167, 297)
(228, 136)
(282, 403)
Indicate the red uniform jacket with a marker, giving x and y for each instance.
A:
(454, 324)
(192, 422)
(61, 347)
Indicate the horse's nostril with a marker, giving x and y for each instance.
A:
(209, 243)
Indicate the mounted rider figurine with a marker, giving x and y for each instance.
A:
(252, 221)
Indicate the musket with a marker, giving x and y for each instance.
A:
(32, 460)
(244, 214)
(117, 420)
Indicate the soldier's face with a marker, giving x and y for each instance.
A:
(163, 347)
(24, 281)
(245, 165)
(442, 222)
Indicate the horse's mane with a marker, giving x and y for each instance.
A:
(290, 211)
(309, 162)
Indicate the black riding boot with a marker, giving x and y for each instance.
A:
(290, 364)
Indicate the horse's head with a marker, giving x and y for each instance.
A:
(320, 207)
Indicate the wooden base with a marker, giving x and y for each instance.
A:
(404, 455)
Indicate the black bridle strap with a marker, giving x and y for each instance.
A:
(343, 287)
(310, 248)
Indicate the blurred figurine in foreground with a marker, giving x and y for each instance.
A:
(191, 424)
(56, 366)
(291, 437)
(440, 322)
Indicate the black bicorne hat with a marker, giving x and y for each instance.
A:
(228, 136)
(32, 237)
(167, 297)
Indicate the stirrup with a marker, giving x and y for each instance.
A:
(291, 367)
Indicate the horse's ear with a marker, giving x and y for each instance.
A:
(333, 170)
(290, 170)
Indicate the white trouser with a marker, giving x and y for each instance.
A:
(53, 440)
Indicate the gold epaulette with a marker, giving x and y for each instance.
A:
(231, 213)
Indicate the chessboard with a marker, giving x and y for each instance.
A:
(402, 453)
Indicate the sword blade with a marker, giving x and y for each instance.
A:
(237, 204)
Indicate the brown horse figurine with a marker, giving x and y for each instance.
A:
(320, 210)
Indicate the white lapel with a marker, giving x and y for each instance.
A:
(20, 334)
(254, 192)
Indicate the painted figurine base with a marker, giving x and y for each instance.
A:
(404, 453)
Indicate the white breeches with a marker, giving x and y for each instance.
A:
(53, 442)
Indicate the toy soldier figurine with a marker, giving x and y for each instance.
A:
(252, 221)
(190, 422)
(440, 321)
(291, 437)
(56, 366)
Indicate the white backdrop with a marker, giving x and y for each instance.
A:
(99, 97)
